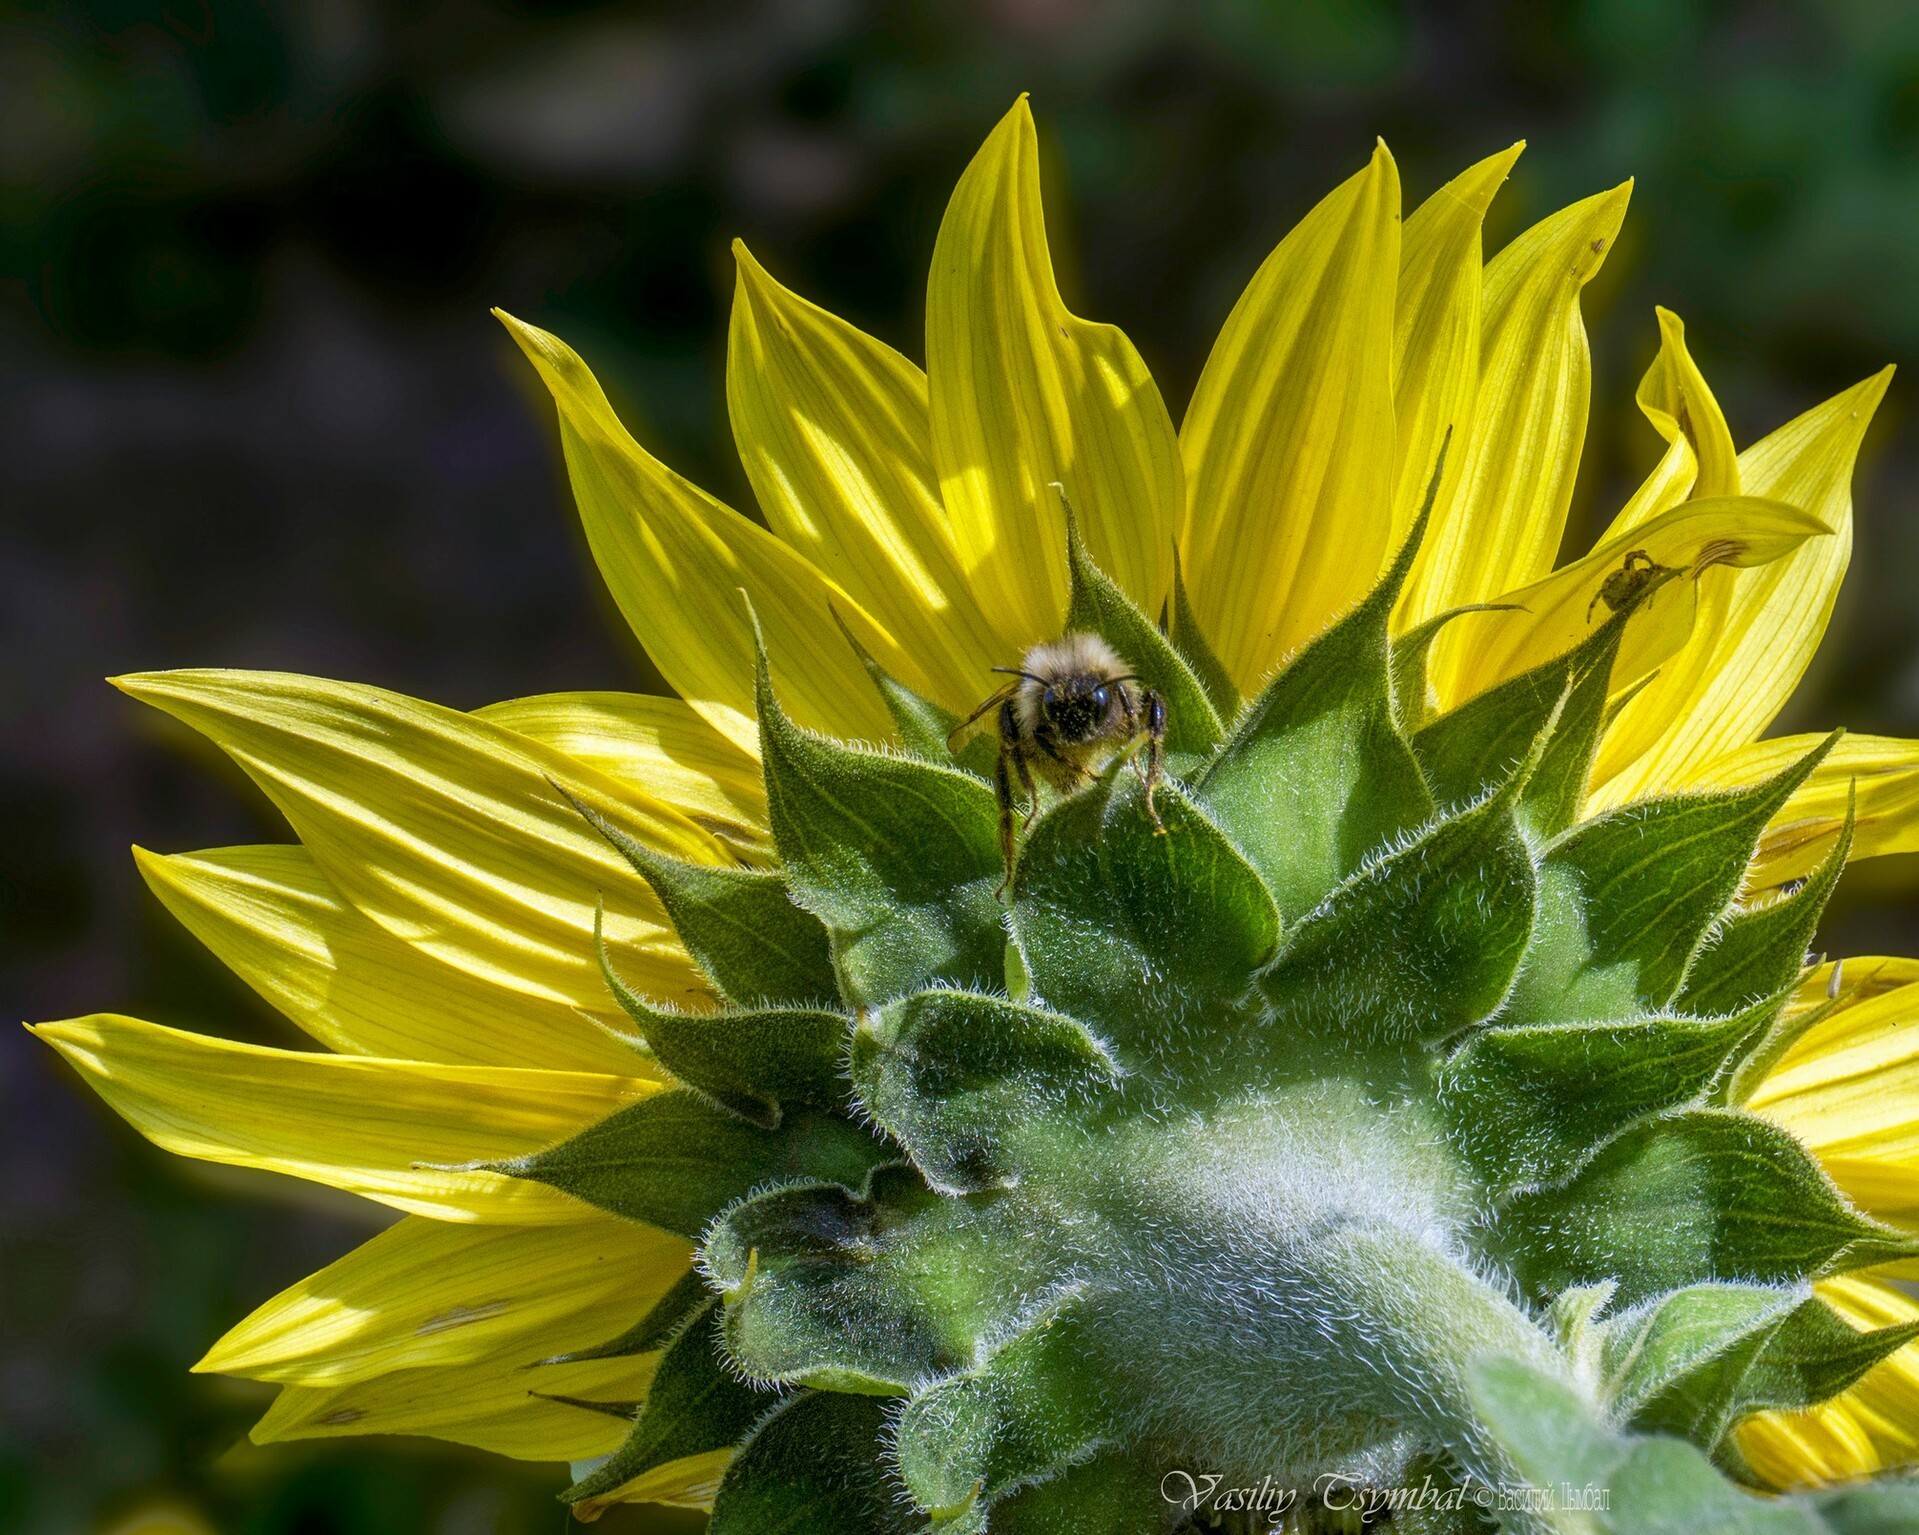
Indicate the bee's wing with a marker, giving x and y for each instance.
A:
(974, 723)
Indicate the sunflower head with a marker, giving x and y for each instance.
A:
(1149, 979)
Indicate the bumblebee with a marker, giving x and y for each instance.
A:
(1071, 707)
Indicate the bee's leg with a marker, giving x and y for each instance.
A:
(1154, 708)
(1010, 759)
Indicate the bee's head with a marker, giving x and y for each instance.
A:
(1082, 706)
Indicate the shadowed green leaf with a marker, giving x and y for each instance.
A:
(815, 1466)
(1412, 706)
(675, 1160)
(1190, 641)
(1707, 1194)
(663, 1319)
(923, 726)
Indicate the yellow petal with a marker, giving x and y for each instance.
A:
(659, 746)
(355, 1123)
(1850, 1092)
(689, 1483)
(834, 431)
(1289, 442)
(1750, 651)
(1436, 335)
(1024, 393)
(1521, 456)
(676, 561)
(428, 1294)
(1814, 1448)
(1884, 771)
(276, 921)
(490, 1405)
(448, 832)
(1553, 615)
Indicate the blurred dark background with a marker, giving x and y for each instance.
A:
(253, 412)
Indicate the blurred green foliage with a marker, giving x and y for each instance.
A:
(254, 413)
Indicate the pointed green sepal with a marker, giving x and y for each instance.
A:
(1136, 925)
(814, 1466)
(1696, 1361)
(1758, 951)
(1465, 753)
(971, 1085)
(750, 1062)
(1098, 606)
(1627, 899)
(1701, 1195)
(676, 1159)
(1412, 705)
(898, 858)
(1030, 1408)
(1189, 639)
(924, 727)
(740, 925)
(1411, 948)
(1527, 1101)
(696, 1403)
(1316, 776)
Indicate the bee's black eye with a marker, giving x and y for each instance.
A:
(1100, 700)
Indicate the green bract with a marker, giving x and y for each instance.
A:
(1376, 1120)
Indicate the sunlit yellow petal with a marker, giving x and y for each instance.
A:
(353, 1122)
(1436, 337)
(689, 1483)
(660, 746)
(1884, 772)
(448, 831)
(490, 1405)
(1750, 650)
(1553, 615)
(676, 561)
(1521, 456)
(1289, 442)
(275, 920)
(1025, 394)
(1850, 1092)
(834, 431)
(431, 1293)
(1790, 1450)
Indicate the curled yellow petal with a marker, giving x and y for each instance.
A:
(1758, 629)
(1882, 770)
(449, 832)
(276, 921)
(1518, 461)
(491, 1405)
(368, 1126)
(1025, 394)
(835, 433)
(1553, 615)
(660, 746)
(431, 1294)
(1289, 442)
(676, 561)
(1436, 335)
(689, 1483)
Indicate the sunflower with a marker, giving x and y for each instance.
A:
(1431, 1044)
